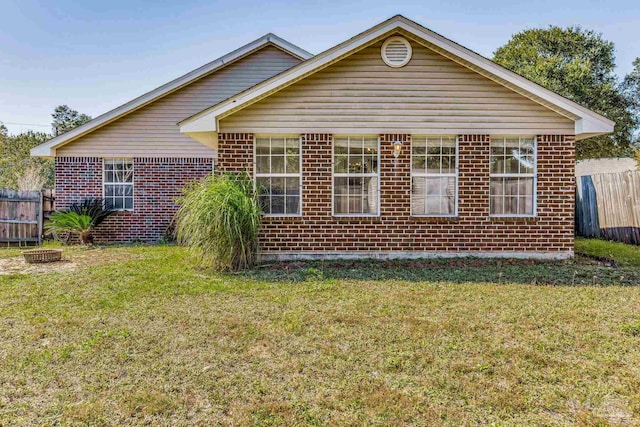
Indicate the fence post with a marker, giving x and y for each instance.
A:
(40, 216)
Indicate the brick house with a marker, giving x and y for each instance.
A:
(396, 143)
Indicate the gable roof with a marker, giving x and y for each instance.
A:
(587, 122)
(48, 148)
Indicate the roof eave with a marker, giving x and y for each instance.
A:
(586, 120)
(287, 46)
(587, 127)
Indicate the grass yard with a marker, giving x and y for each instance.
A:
(625, 255)
(138, 335)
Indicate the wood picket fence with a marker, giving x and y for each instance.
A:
(608, 206)
(22, 215)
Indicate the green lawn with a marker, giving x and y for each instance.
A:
(625, 255)
(138, 335)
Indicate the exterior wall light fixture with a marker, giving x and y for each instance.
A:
(397, 148)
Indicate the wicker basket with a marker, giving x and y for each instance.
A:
(42, 255)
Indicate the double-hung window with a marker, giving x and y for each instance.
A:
(118, 184)
(434, 176)
(513, 177)
(356, 175)
(278, 178)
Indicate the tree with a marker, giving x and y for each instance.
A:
(4, 135)
(579, 65)
(65, 119)
(17, 168)
(631, 86)
(35, 176)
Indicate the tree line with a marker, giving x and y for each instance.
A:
(573, 62)
(18, 170)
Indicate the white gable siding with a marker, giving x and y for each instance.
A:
(152, 131)
(430, 95)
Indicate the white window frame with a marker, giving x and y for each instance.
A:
(431, 174)
(132, 184)
(298, 175)
(335, 175)
(533, 175)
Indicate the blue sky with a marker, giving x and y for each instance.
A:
(96, 55)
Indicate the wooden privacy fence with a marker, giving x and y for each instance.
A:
(22, 214)
(608, 206)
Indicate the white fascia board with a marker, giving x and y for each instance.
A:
(588, 122)
(204, 123)
(43, 150)
(48, 148)
(287, 46)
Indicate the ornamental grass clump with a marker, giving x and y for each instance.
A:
(219, 219)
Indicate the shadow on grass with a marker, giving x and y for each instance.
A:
(578, 272)
(583, 270)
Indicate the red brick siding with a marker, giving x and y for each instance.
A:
(77, 178)
(157, 183)
(395, 229)
(236, 152)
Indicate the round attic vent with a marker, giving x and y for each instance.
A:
(396, 52)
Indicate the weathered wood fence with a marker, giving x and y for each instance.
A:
(22, 215)
(608, 206)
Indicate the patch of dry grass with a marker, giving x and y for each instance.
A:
(152, 340)
(73, 257)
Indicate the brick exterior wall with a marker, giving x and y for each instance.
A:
(235, 152)
(472, 231)
(157, 183)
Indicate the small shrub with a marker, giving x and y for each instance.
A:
(80, 218)
(219, 219)
(165, 240)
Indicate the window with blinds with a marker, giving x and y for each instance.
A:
(434, 175)
(356, 176)
(513, 177)
(277, 176)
